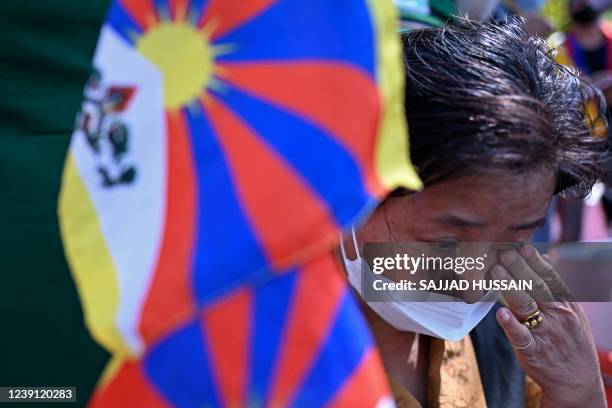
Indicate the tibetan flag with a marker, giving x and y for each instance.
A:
(297, 340)
(220, 147)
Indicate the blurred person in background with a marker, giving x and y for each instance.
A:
(587, 45)
(497, 128)
(588, 42)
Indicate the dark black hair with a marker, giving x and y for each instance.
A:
(485, 96)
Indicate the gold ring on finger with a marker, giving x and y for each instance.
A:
(521, 348)
(532, 321)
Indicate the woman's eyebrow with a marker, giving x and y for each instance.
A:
(459, 221)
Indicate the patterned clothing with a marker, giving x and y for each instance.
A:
(454, 379)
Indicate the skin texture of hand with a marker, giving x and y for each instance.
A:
(559, 354)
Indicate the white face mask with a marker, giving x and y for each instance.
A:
(440, 317)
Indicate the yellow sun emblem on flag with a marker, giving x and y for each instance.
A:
(183, 55)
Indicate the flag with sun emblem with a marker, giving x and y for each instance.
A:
(220, 147)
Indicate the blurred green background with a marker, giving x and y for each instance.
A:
(45, 56)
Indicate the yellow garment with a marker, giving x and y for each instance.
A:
(454, 380)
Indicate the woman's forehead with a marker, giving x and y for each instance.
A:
(482, 199)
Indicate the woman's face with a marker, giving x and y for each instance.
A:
(483, 209)
(498, 207)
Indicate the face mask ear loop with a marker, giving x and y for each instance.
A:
(342, 248)
(355, 242)
(343, 251)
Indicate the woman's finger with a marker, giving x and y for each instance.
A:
(542, 265)
(520, 303)
(521, 270)
(534, 259)
(519, 336)
(547, 258)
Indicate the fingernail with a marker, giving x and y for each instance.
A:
(504, 315)
(508, 256)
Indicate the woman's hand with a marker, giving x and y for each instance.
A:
(558, 354)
